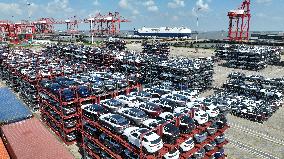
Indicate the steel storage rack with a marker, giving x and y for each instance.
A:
(138, 151)
(248, 57)
(256, 97)
(55, 111)
(94, 147)
(23, 69)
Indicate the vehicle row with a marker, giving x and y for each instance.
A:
(252, 97)
(148, 67)
(249, 57)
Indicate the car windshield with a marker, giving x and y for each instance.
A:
(203, 115)
(170, 127)
(137, 113)
(182, 98)
(169, 116)
(109, 82)
(215, 109)
(68, 92)
(152, 106)
(158, 140)
(114, 102)
(134, 100)
(189, 141)
(120, 120)
(144, 94)
(186, 119)
(96, 108)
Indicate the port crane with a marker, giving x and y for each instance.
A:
(239, 22)
(101, 24)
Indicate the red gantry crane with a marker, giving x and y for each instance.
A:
(239, 22)
(108, 24)
(12, 31)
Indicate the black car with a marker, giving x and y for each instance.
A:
(69, 123)
(166, 104)
(45, 83)
(93, 112)
(114, 122)
(111, 143)
(210, 146)
(92, 146)
(129, 155)
(91, 130)
(170, 131)
(186, 123)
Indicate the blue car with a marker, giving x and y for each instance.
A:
(67, 95)
(54, 87)
(83, 91)
(219, 153)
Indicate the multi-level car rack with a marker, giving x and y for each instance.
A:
(138, 151)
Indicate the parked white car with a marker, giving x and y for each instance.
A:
(174, 154)
(176, 98)
(112, 104)
(191, 95)
(212, 111)
(128, 100)
(200, 116)
(167, 116)
(151, 142)
(181, 110)
(187, 145)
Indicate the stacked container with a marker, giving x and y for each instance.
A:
(12, 110)
(30, 139)
(3, 151)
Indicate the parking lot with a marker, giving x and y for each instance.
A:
(248, 139)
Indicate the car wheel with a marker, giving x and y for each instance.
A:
(144, 150)
(124, 137)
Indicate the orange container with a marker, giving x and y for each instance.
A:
(3, 152)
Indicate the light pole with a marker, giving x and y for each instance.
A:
(92, 31)
(197, 23)
(30, 14)
(196, 37)
(91, 19)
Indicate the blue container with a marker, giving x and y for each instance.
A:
(11, 108)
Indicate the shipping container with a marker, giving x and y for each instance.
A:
(3, 152)
(12, 109)
(29, 139)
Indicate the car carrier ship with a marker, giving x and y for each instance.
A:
(164, 32)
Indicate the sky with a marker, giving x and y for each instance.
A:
(267, 15)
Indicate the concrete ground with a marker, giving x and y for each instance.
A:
(2, 84)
